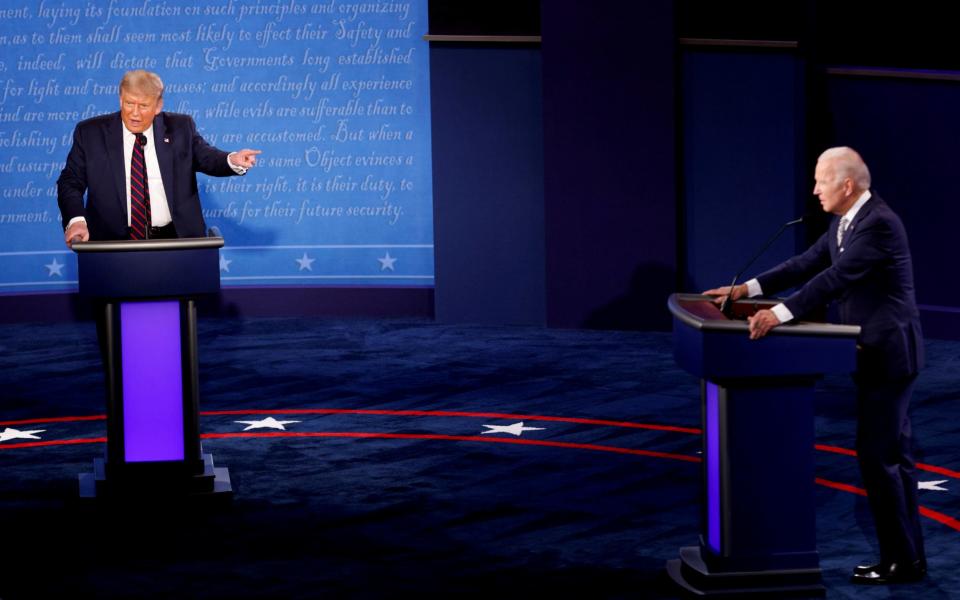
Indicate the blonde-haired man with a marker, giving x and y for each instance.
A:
(111, 152)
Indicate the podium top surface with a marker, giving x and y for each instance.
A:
(699, 312)
(149, 245)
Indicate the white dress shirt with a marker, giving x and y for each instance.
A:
(159, 208)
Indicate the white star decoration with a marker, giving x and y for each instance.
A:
(55, 268)
(387, 262)
(268, 423)
(225, 263)
(305, 262)
(516, 429)
(14, 434)
(932, 485)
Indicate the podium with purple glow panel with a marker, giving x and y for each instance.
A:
(758, 535)
(146, 291)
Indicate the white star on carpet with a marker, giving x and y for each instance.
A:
(387, 262)
(16, 434)
(268, 423)
(225, 263)
(305, 262)
(55, 268)
(516, 429)
(932, 485)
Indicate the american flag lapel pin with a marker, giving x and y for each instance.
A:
(166, 140)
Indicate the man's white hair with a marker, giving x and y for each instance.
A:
(846, 163)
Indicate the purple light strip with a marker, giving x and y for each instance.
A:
(712, 461)
(152, 381)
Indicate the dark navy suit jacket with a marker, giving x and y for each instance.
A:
(870, 277)
(95, 166)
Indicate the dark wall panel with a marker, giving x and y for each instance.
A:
(908, 132)
(488, 183)
(743, 159)
(609, 152)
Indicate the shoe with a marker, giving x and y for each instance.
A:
(892, 573)
(862, 569)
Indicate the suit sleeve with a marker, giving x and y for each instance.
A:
(865, 251)
(206, 158)
(72, 183)
(797, 270)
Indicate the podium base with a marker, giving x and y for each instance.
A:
(212, 483)
(695, 579)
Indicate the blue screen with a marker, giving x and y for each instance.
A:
(335, 94)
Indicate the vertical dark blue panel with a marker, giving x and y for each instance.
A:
(609, 153)
(488, 184)
(742, 157)
(908, 132)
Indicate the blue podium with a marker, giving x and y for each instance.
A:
(145, 292)
(758, 534)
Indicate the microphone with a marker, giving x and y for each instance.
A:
(726, 307)
(141, 139)
(214, 231)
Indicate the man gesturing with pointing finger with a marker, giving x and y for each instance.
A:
(138, 170)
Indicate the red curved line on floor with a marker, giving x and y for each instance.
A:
(99, 440)
(922, 466)
(54, 420)
(454, 438)
(444, 413)
(835, 450)
(929, 513)
(843, 487)
(926, 512)
(441, 413)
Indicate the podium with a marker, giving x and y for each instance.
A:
(758, 534)
(145, 294)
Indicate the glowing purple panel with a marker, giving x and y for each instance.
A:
(713, 466)
(152, 381)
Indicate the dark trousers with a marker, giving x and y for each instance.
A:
(884, 451)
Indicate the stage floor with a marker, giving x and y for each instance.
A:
(371, 458)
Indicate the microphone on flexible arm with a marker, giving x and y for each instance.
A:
(142, 139)
(726, 307)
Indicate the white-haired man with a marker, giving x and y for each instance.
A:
(863, 264)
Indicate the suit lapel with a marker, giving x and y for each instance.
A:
(865, 210)
(872, 203)
(114, 145)
(163, 146)
(834, 226)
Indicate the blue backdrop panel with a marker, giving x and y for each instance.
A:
(335, 93)
(742, 156)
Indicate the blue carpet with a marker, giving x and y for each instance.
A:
(386, 484)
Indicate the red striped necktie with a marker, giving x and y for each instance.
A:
(139, 192)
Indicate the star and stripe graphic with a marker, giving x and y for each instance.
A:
(407, 264)
(644, 440)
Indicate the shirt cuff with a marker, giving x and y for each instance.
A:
(753, 288)
(236, 168)
(782, 312)
(75, 220)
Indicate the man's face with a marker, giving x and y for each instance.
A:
(138, 110)
(836, 194)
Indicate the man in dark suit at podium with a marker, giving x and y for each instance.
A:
(111, 152)
(863, 264)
